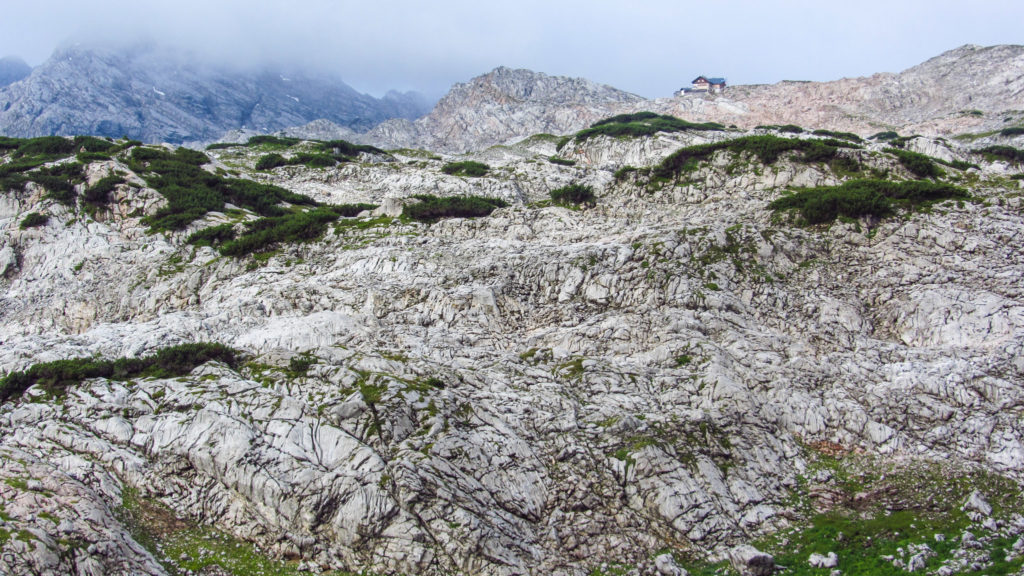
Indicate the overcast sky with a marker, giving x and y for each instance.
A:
(650, 48)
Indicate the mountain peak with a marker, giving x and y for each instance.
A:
(154, 93)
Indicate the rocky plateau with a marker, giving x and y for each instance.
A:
(674, 380)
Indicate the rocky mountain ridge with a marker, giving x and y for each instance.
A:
(644, 386)
(970, 89)
(156, 95)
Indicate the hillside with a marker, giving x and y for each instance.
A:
(970, 89)
(671, 377)
(158, 95)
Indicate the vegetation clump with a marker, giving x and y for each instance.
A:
(56, 377)
(841, 135)
(191, 191)
(561, 161)
(920, 165)
(574, 194)
(1008, 153)
(767, 148)
(98, 193)
(1012, 131)
(884, 136)
(789, 128)
(33, 220)
(466, 168)
(432, 208)
(638, 124)
(857, 198)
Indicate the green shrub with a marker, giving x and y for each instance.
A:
(191, 191)
(350, 210)
(212, 236)
(857, 198)
(883, 136)
(56, 377)
(623, 172)
(575, 194)
(638, 124)
(33, 220)
(300, 365)
(561, 161)
(265, 233)
(790, 128)
(1012, 131)
(272, 141)
(627, 118)
(92, 144)
(314, 160)
(271, 161)
(98, 192)
(1008, 153)
(345, 149)
(767, 148)
(223, 145)
(46, 146)
(467, 168)
(432, 208)
(841, 135)
(920, 165)
(59, 181)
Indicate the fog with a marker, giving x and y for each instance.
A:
(649, 48)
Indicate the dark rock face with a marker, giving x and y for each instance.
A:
(157, 95)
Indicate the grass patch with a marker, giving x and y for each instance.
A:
(857, 198)
(56, 377)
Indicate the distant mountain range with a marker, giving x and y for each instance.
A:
(157, 95)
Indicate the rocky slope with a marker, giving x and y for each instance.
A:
(502, 106)
(623, 388)
(970, 89)
(156, 95)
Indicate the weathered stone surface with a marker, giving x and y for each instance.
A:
(544, 389)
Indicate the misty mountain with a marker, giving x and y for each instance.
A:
(153, 94)
(12, 69)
